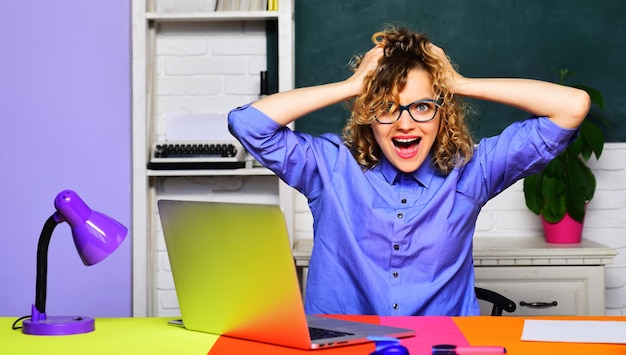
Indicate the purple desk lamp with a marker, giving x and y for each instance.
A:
(95, 236)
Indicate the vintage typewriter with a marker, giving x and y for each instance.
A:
(183, 155)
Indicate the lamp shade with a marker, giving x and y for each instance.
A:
(96, 235)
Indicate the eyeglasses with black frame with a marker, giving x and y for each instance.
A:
(419, 111)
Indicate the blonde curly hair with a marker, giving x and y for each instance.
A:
(404, 51)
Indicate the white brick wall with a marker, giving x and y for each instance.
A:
(213, 67)
(207, 67)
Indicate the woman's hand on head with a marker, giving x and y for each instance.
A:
(456, 81)
(369, 62)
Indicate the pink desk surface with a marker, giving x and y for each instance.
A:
(429, 330)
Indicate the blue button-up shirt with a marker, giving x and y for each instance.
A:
(387, 242)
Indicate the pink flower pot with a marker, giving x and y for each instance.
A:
(566, 231)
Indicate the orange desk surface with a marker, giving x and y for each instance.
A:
(507, 332)
(119, 336)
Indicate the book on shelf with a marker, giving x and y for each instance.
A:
(246, 5)
(170, 6)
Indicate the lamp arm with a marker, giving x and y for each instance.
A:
(42, 263)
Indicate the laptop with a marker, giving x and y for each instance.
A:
(235, 276)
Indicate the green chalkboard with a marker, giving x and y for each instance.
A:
(485, 38)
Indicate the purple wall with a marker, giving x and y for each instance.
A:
(65, 113)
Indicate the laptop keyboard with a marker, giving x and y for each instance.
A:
(319, 333)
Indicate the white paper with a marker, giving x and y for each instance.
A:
(197, 127)
(575, 331)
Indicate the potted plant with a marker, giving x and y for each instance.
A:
(561, 191)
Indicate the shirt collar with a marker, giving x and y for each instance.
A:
(424, 174)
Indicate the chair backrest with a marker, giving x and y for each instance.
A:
(500, 303)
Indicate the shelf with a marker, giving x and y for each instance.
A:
(212, 172)
(212, 16)
(232, 29)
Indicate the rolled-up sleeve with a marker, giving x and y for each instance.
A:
(522, 149)
(290, 155)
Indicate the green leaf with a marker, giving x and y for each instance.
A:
(580, 185)
(554, 201)
(588, 181)
(576, 180)
(575, 209)
(555, 167)
(532, 193)
(592, 139)
(578, 146)
(555, 209)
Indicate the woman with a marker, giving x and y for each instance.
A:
(395, 200)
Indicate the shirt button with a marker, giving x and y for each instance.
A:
(403, 200)
(395, 306)
(395, 274)
(400, 215)
(396, 246)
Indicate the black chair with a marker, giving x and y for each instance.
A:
(500, 303)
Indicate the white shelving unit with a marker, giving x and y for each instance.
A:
(147, 185)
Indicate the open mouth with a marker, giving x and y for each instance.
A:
(406, 142)
(406, 147)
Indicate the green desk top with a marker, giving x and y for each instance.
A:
(113, 336)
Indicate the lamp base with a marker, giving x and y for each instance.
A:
(59, 325)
